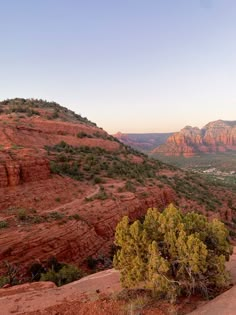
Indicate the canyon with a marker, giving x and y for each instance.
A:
(65, 184)
(143, 141)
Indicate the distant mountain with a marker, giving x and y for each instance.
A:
(143, 141)
(216, 136)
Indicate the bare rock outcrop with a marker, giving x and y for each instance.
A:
(13, 173)
(74, 240)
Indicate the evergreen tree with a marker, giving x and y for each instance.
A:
(172, 253)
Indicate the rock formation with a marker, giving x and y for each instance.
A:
(217, 136)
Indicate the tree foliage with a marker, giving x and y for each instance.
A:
(66, 274)
(173, 253)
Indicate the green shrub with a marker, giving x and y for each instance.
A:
(35, 271)
(53, 263)
(83, 134)
(4, 280)
(11, 275)
(97, 180)
(22, 214)
(66, 274)
(3, 224)
(232, 233)
(66, 168)
(56, 215)
(102, 195)
(129, 186)
(76, 217)
(69, 273)
(16, 147)
(91, 262)
(55, 114)
(50, 275)
(173, 254)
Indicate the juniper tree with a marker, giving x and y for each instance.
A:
(172, 253)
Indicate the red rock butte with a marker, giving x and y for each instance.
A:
(216, 136)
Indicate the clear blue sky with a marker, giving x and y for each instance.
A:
(128, 65)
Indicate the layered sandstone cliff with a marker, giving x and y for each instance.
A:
(73, 240)
(217, 136)
(15, 172)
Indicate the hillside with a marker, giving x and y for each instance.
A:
(65, 183)
(216, 136)
(144, 142)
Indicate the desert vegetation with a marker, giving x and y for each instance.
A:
(96, 164)
(49, 270)
(83, 162)
(32, 107)
(173, 254)
(3, 224)
(26, 217)
(59, 273)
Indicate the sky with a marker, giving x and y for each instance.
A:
(127, 65)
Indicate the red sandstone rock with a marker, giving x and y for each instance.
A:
(73, 241)
(217, 136)
(13, 173)
(79, 297)
(3, 176)
(71, 299)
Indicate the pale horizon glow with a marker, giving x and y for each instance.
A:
(133, 66)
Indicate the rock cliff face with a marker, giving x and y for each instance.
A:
(217, 136)
(72, 241)
(13, 173)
